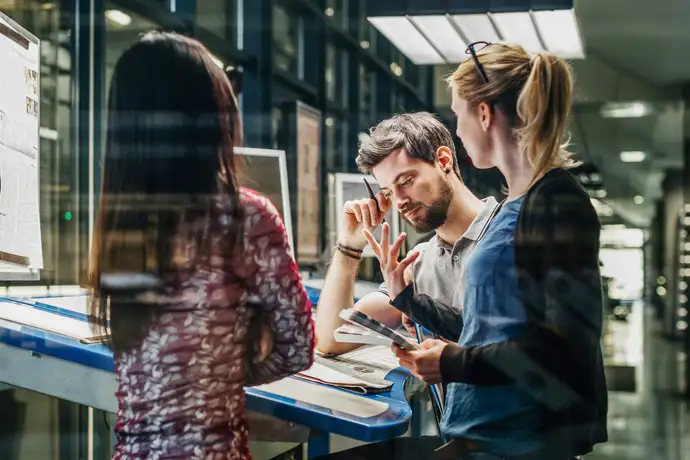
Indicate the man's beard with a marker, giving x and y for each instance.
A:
(436, 213)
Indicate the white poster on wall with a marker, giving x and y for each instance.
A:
(20, 229)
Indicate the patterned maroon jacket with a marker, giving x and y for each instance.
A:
(181, 392)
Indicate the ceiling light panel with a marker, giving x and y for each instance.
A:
(634, 109)
(633, 156)
(518, 28)
(443, 36)
(406, 38)
(476, 27)
(560, 32)
(118, 17)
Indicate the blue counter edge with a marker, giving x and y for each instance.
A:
(100, 357)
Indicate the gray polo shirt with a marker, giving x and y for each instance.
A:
(438, 270)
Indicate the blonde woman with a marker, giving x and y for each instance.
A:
(525, 379)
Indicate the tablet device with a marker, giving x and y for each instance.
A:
(361, 319)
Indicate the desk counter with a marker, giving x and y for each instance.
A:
(66, 368)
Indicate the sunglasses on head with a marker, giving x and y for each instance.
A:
(473, 49)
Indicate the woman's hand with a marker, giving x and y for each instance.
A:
(393, 271)
(425, 364)
(266, 342)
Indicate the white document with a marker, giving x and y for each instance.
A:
(322, 373)
(20, 230)
(378, 357)
(326, 397)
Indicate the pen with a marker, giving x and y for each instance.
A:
(372, 195)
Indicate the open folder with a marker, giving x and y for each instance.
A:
(363, 370)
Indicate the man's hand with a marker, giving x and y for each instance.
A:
(425, 364)
(393, 271)
(361, 215)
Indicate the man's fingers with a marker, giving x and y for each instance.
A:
(366, 215)
(385, 243)
(354, 209)
(384, 203)
(373, 243)
(373, 212)
(395, 249)
(407, 261)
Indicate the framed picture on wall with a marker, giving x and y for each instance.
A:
(304, 162)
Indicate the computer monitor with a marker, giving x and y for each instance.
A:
(345, 187)
(21, 252)
(265, 171)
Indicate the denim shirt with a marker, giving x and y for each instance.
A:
(503, 419)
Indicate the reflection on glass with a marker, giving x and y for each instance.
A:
(285, 39)
(331, 71)
(212, 15)
(367, 95)
(276, 127)
(339, 11)
(331, 143)
(59, 196)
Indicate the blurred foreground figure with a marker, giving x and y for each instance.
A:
(192, 276)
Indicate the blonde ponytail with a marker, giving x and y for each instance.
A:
(543, 108)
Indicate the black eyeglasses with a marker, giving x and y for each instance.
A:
(472, 49)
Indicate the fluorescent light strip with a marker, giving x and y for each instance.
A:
(406, 38)
(118, 17)
(518, 28)
(442, 35)
(633, 156)
(476, 27)
(634, 109)
(560, 33)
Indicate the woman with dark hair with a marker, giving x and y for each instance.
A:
(192, 276)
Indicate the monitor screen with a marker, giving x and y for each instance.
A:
(265, 171)
(351, 187)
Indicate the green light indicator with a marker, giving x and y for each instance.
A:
(68, 215)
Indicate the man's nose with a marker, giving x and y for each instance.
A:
(402, 203)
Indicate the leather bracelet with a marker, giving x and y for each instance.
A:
(345, 252)
(348, 248)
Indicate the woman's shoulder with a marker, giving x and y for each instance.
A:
(558, 200)
(260, 214)
(558, 182)
(558, 191)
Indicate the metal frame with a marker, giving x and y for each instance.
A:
(284, 184)
(336, 182)
(12, 272)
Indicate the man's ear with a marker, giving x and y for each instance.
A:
(444, 158)
(486, 115)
